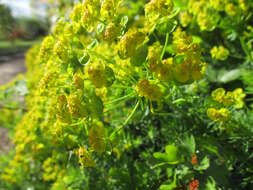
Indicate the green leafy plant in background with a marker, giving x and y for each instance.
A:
(139, 95)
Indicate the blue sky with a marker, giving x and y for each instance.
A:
(23, 8)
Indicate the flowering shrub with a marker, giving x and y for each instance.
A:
(133, 95)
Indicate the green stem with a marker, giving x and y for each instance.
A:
(132, 113)
(165, 46)
(127, 120)
(121, 98)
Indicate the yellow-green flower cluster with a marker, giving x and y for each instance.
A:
(185, 18)
(100, 74)
(156, 9)
(209, 12)
(186, 66)
(229, 98)
(147, 89)
(225, 99)
(219, 53)
(129, 42)
(219, 115)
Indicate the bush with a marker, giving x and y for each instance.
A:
(127, 95)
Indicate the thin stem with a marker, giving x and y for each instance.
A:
(121, 98)
(165, 46)
(132, 113)
(127, 120)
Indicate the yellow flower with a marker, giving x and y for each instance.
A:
(185, 18)
(219, 53)
(148, 90)
(231, 9)
(129, 42)
(234, 98)
(158, 8)
(238, 96)
(111, 32)
(217, 4)
(218, 95)
(220, 115)
(75, 105)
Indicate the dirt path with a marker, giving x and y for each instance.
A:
(8, 70)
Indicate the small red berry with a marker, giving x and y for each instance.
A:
(194, 159)
(194, 184)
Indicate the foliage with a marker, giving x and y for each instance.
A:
(6, 20)
(133, 95)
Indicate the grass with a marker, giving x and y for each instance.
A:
(9, 48)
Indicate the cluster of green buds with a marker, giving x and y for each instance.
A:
(149, 90)
(219, 53)
(230, 98)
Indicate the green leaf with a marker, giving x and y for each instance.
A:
(197, 39)
(93, 44)
(178, 59)
(100, 28)
(228, 76)
(171, 186)
(168, 187)
(204, 164)
(190, 144)
(84, 59)
(160, 156)
(166, 25)
(139, 56)
(110, 76)
(124, 21)
(211, 184)
(171, 154)
(182, 4)
(21, 87)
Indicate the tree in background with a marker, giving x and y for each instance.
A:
(7, 22)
